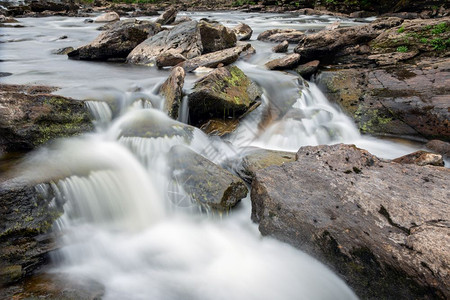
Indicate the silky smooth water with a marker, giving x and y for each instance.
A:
(126, 224)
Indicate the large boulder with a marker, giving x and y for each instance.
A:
(281, 35)
(406, 100)
(216, 37)
(327, 44)
(29, 117)
(222, 94)
(214, 59)
(117, 42)
(183, 39)
(168, 16)
(361, 215)
(206, 183)
(26, 237)
(172, 90)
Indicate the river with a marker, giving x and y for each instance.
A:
(125, 225)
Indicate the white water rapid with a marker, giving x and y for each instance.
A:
(122, 225)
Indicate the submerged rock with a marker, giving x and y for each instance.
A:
(281, 35)
(63, 51)
(107, 17)
(287, 62)
(172, 90)
(29, 118)
(205, 182)
(117, 42)
(243, 32)
(215, 59)
(421, 158)
(281, 48)
(168, 16)
(362, 216)
(225, 93)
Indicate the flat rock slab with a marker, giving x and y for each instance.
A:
(279, 35)
(285, 63)
(383, 226)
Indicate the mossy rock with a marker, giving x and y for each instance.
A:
(225, 93)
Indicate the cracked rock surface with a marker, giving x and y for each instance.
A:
(383, 226)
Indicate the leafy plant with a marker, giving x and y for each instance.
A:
(440, 28)
(402, 49)
(440, 44)
(401, 29)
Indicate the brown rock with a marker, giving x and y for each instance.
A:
(225, 93)
(107, 17)
(281, 48)
(243, 32)
(421, 158)
(440, 147)
(168, 16)
(280, 35)
(383, 226)
(168, 59)
(216, 37)
(308, 69)
(214, 59)
(288, 62)
(172, 90)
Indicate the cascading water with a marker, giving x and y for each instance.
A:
(122, 227)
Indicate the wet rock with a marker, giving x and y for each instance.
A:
(308, 69)
(225, 93)
(218, 58)
(63, 51)
(181, 20)
(5, 74)
(280, 35)
(183, 39)
(243, 32)
(172, 90)
(362, 216)
(168, 59)
(30, 119)
(287, 62)
(107, 17)
(281, 48)
(326, 44)
(405, 100)
(216, 37)
(88, 21)
(205, 182)
(440, 147)
(259, 159)
(421, 158)
(168, 16)
(4, 19)
(26, 236)
(117, 42)
(55, 286)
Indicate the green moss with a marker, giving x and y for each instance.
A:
(370, 121)
(402, 49)
(401, 29)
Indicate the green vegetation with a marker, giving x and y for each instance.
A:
(440, 28)
(440, 44)
(401, 29)
(243, 2)
(402, 49)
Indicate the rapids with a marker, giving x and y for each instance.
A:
(125, 225)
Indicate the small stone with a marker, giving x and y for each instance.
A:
(288, 62)
(107, 17)
(308, 69)
(421, 158)
(243, 32)
(281, 48)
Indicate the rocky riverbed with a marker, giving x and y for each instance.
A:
(162, 133)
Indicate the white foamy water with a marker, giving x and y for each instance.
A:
(122, 227)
